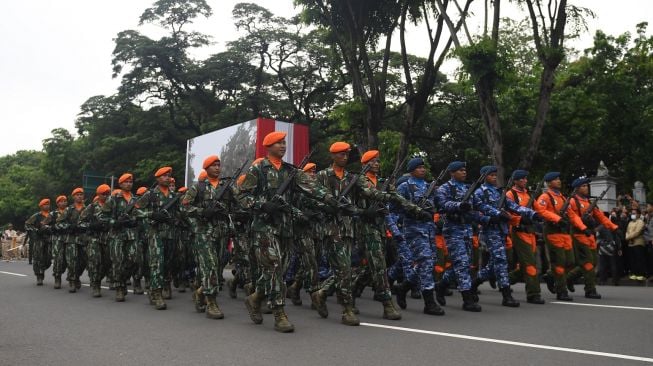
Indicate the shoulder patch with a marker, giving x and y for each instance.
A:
(543, 202)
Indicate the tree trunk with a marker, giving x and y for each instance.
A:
(546, 88)
(490, 114)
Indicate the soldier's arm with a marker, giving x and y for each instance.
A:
(30, 224)
(246, 196)
(63, 220)
(311, 187)
(543, 207)
(515, 208)
(142, 208)
(446, 203)
(600, 217)
(574, 218)
(188, 205)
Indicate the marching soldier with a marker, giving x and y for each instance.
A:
(38, 228)
(58, 245)
(556, 234)
(272, 224)
(68, 222)
(98, 248)
(583, 237)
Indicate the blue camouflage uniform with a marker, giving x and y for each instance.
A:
(457, 231)
(486, 199)
(419, 234)
(403, 266)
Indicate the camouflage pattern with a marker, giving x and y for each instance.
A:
(160, 234)
(457, 232)
(272, 235)
(99, 264)
(420, 235)
(122, 238)
(68, 223)
(486, 199)
(58, 248)
(403, 267)
(243, 257)
(39, 242)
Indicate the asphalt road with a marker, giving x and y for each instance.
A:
(43, 326)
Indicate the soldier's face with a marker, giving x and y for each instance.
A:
(62, 204)
(127, 185)
(164, 180)
(172, 186)
(419, 172)
(341, 158)
(556, 183)
(45, 207)
(584, 189)
(277, 150)
(491, 179)
(375, 166)
(521, 183)
(213, 170)
(102, 197)
(311, 172)
(460, 175)
(78, 197)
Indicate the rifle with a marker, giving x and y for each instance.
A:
(432, 186)
(392, 176)
(502, 200)
(473, 187)
(565, 206)
(351, 184)
(281, 190)
(223, 189)
(595, 202)
(130, 207)
(531, 200)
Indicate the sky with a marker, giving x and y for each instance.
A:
(57, 54)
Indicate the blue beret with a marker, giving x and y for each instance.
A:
(455, 165)
(413, 164)
(402, 179)
(580, 181)
(551, 176)
(519, 174)
(488, 169)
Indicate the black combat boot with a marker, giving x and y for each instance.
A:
(468, 302)
(39, 280)
(477, 282)
(57, 282)
(440, 293)
(430, 306)
(508, 300)
(592, 294)
(401, 290)
(415, 293)
(550, 282)
(564, 296)
(535, 299)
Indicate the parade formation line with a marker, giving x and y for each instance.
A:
(14, 274)
(602, 306)
(512, 343)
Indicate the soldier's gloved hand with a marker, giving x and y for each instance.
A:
(270, 207)
(587, 232)
(159, 216)
(464, 206)
(505, 216)
(537, 217)
(350, 210)
(563, 224)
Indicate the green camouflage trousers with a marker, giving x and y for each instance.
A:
(242, 254)
(41, 255)
(338, 251)
(58, 257)
(156, 246)
(273, 256)
(207, 263)
(125, 256)
(98, 259)
(376, 266)
(307, 272)
(76, 260)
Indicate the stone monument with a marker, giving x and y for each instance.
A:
(639, 193)
(600, 183)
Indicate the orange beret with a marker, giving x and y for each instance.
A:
(45, 201)
(103, 189)
(202, 175)
(162, 171)
(182, 189)
(369, 155)
(141, 191)
(273, 137)
(77, 190)
(309, 166)
(116, 191)
(240, 180)
(124, 177)
(62, 198)
(209, 161)
(338, 147)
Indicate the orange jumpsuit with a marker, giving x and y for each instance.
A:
(524, 243)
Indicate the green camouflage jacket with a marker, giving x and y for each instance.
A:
(153, 201)
(113, 209)
(202, 195)
(68, 224)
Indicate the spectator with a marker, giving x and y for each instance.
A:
(609, 251)
(9, 233)
(636, 245)
(648, 237)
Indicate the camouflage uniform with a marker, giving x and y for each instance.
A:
(123, 237)
(272, 235)
(159, 233)
(98, 247)
(486, 199)
(68, 222)
(58, 249)
(37, 227)
(403, 266)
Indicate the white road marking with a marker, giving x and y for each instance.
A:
(602, 306)
(511, 343)
(14, 274)
(104, 287)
